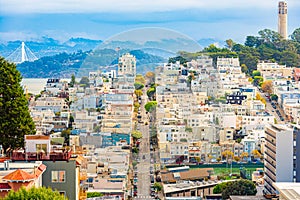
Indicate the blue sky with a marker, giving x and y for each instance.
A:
(100, 19)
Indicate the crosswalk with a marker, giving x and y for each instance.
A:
(143, 197)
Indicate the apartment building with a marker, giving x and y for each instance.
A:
(50, 103)
(281, 155)
(274, 69)
(127, 65)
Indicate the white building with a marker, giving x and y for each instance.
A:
(127, 65)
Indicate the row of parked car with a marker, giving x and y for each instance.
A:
(277, 111)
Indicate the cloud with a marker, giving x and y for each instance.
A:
(115, 6)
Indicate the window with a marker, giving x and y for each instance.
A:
(58, 176)
(41, 148)
(62, 193)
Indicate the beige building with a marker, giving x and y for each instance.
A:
(274, 69)
(127, 65)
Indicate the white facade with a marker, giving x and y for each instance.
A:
(127, 65)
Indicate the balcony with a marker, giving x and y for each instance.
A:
(57, 155)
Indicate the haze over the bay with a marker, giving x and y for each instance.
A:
(62, 19)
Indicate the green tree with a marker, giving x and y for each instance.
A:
(252, 41)
(289, 58)
(84, 81)
(181, 59)
(150, 106)
(244, 68)
(239, 187)
(274, 97)
(140, 79)
(66, 134)
(138, 93)
(258, 80)
(150, 92)
(136, 135)
(256, 73)
(40, 193)
(157, 186)
(94, 194)
(296, 35)
(229, 43)
(138, 85)
(15, 119)
(73, 81)
(268, 35)
(219, 188)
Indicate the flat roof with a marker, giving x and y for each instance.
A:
(288, 190)
(169, 188)
(247, 197)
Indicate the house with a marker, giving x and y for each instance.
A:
(235, 98)
(67, 177)
(13, 176)
(109, 187)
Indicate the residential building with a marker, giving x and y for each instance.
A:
(50, 103)
(67, 177)
(127, 65)
(274, 69)
(13, 176)
(281, 155)
(236, 98)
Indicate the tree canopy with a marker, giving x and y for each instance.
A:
(267, 46)
(240, 187)
(15, 119)
(267, 86)
(150, 106)
(138, 93)
(84, 81)
(140, 79)
(151, 92)
(40, 193)
(138, 85)
(73, 80)
(136, 134)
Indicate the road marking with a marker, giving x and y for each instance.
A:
(143, 197)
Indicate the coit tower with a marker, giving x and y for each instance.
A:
(282, 19)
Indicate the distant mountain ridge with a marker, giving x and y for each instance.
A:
(48, 46)
(63, 65)
(80, 55)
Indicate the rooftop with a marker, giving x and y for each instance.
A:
(288, 190)
(19, 176)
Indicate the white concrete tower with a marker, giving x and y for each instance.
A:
(127, 65)
(282, 19)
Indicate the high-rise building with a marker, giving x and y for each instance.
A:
(282, 19)
(127, 65)
(282, 157)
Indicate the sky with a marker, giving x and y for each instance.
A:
(101, 19)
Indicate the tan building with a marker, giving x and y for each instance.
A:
(127, 65)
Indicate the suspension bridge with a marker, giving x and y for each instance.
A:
(21, 54)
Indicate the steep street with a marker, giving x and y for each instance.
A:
(144, 154)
